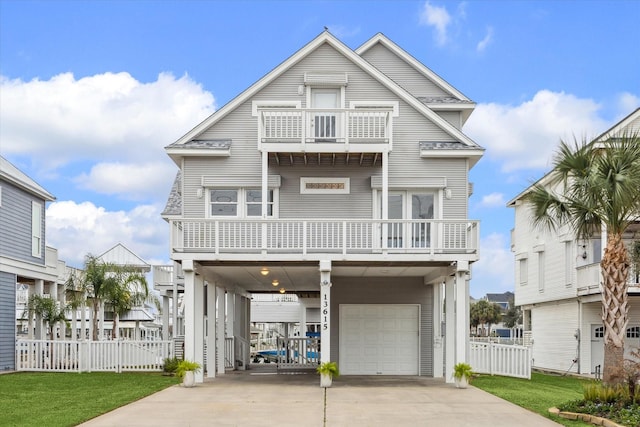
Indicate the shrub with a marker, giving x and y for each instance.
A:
(170, 365)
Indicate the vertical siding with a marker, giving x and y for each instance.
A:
(401, 72)
(553, 327)
(15, 224)
(7, 321)
(385, 290)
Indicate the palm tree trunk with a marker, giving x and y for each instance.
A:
(615, 310)
(96, 310)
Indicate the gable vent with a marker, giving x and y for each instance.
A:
(326, 79)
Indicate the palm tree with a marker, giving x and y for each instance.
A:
(47, 309)
(126, 288)
(485, 312)
(598, 190)
(96, 282)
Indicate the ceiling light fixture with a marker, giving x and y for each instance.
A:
(282, 291)
(275, 282)
(264, 271)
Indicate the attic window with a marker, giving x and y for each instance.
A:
(326, 79)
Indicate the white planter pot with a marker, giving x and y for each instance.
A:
(189, 379)
(462, 382)
(325, 380)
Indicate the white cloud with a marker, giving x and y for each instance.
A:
(438, 18)
(135, 181)
(494, 272)
(526, 136)
(493, 200)
(627, 102)
(488, 38)
(77, 229)
(105, 117)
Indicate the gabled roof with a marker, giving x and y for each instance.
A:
(327, 38)
(457, 100)
(618, 129)
(15, 176)
(120, 255)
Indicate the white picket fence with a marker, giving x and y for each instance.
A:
(500, 359)
(91, 356)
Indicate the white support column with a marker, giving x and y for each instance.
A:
(176, 328)
(39, 328)
(325, 311)
(165, 317)
(303, 319)
(231, 314)
(438, 350)
(385, 185)
(211, 330)
(450, 325)
(189, 313)
(198, 326)
(265, 183)
(462, 312)
(220, 329)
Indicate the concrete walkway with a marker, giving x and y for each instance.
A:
(244, 399)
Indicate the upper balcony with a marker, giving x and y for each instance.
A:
(333, 130)
(590, 278)
(244, 239)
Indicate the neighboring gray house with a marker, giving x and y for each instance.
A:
(25, 262)
(341, 176)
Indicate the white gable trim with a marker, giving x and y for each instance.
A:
(326, 37)
(419, 66)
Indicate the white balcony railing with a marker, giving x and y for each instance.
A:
(324, 236)
(301, 125)
(589, 278)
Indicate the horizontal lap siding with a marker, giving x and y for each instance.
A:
(356, 204)
(15, 224)
(385, 290)
(404, 161)
(7, 320)
(401, 72)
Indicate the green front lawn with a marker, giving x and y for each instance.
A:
(538, 394)
(68, 399)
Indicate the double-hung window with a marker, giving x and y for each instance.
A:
(241, 202)
(253, 200)
(36, 229)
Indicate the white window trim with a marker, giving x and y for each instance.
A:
(523, 273)
(324, 180)
(406, 202)
(36, 229)
(394, 105)
(241, 202)
(273, 104)
(322, 87)
(541, 271)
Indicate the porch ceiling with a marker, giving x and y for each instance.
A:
(349, 158)
(304, 277)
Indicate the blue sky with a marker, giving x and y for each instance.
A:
(91, 92)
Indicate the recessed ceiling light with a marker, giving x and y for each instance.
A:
(275, 282)
(264, 271)
(282, 291)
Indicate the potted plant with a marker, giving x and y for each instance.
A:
(186, 370)
(327, 371)
(462, 374)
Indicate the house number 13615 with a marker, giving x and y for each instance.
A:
(325, 313)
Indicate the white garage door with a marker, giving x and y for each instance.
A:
(379, 339)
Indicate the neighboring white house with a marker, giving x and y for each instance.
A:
(343, 175)
(558, 286)
(27, 265)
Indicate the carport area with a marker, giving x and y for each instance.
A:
(265, 399)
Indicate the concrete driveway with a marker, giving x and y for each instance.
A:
(254, 399)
